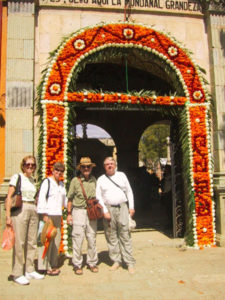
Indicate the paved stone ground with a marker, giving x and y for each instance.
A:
(164, 270)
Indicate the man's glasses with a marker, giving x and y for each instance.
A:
(58, 170)
(30, 165)
(86, 167)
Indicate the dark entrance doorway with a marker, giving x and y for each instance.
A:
(123, 72)
(126, 126)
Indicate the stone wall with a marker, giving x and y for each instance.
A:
(217, 44)
(216, 25)
(19, 83)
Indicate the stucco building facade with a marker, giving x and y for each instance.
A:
(37, 28)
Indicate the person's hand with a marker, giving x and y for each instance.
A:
(107, 216)
(8, 221)
(69, 219)
(132, 212)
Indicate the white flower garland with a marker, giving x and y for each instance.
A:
(187, 107)
(79, 44)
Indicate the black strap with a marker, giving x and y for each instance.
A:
(18, 186)
(47, 194)
(116, 185)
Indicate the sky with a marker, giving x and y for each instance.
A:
(93, 131)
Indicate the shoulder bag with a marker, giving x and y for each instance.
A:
(17, 196)
(132, 223)
(117, 186)
(94, 208)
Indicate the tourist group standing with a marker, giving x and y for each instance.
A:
(37, 221)
(24, 220)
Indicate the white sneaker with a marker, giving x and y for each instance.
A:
(21, 280)
(34, 275)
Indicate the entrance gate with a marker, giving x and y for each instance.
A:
(56, 101)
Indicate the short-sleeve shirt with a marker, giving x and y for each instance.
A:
(28, 187)
(56, 198)
(75, 191)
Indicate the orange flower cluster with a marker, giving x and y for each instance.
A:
(108, 35)
(203, 199)
(204, 228)
(92, 38)
(55, 133)
(123, 98)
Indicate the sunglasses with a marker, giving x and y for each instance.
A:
(85, 167)
(30, 165)
(58, 170)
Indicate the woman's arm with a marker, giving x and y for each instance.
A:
(8, 204)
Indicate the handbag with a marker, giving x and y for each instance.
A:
(17, 196)
(48, 233)
(8, 238)
(94, 208)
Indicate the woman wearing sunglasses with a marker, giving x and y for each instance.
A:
(51, 200)
(25, 223)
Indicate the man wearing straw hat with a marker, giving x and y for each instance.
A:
(77, 215)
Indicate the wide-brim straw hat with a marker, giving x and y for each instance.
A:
(49, 231)
(85, 161)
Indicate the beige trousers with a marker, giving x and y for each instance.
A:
(82, 227)
(25, 225)
(50, 260)
(118, 236)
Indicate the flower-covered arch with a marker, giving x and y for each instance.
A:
(55, 100)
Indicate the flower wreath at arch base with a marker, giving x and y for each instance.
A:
(55, 101)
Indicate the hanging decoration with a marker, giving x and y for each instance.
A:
(56, 99)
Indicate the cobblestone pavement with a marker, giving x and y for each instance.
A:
(164, 270)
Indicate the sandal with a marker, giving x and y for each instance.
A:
(78, 271)
(54, 272)
(93, 269)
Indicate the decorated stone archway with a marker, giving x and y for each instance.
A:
(55, 101)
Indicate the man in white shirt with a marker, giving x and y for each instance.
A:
(115, 195)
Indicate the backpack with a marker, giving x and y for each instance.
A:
(38, 192)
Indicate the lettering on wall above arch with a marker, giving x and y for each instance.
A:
(168, 6)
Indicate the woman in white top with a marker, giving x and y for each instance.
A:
(51, 207)
(25, 223)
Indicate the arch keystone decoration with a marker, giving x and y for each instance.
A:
(55, 101)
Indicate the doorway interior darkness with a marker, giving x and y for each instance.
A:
(134, 71)
(126, 71)
(126, 127)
